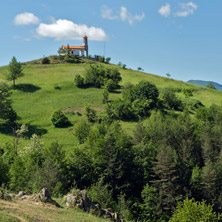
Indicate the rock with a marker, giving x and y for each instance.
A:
(70, 200)
(21, 193)
(45, 196)
(106, 214)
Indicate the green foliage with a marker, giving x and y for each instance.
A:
(59, 119)
(4, 168)
(211, 86)
(148, 208)
(7, 112)
(110, 85)
(90, 114)
(81, 131)
(167, 181)
(192, 211)
(98, 75)
(17, 175)
(187, 92)
(170, 100)
(108, 60)
(45, 60)
(79, 81)
(105, 96)
(101, 195)
(15, 70)
(118, 109)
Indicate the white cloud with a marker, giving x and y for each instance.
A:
(165, 10)
(26, 18)
(187, 9)
(123, 15)
(63, 29)
(106, 13)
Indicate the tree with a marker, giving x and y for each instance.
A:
(81, 131)
(90, 114)
(45, 60)
(211, 85)
(108, 60)
(15, 70)
(192, 211)
(167, 181)
(168, 75)
(6, 111)
(60, 120)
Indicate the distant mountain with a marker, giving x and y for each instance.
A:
(205, 83)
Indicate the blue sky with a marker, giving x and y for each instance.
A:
(180, 37)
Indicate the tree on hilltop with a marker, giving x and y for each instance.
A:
(211, 85)
(15, 70)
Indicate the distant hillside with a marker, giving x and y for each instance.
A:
(205, 83)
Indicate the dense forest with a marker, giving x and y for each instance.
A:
(172, 161)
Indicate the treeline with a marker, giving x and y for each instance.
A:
(174, 153)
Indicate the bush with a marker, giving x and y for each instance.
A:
(59, 119)
(98, 75)
(110, 85)
(171, 101)
(101, 195)
(81, 131)
(79, 81)
(90, 114)
(46, 60)
(190, 210)
(108, 60)
(187, 92)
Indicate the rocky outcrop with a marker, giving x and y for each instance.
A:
(82, 201)
(21, 194)
(45, 197)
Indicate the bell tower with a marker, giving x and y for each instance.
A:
(85, 44)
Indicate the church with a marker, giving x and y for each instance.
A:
(76, 50)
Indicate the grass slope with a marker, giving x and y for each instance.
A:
(46, 88)
(25, 211)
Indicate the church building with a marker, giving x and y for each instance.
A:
(76, 50)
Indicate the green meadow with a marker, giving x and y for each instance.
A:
(47, 88)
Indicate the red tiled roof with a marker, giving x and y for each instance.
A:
(74, 47)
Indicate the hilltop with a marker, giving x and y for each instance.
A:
(205, 83)
(49, 87)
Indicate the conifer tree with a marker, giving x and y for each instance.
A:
(167, 181)
(15, 70)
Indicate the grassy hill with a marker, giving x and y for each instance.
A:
(47, 88)
(27, 211)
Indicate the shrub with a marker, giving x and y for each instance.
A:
(105, 96)
(187, 92)
(110, 85)
(101, 195)
(59, 119)
(170, 100)
(90, 114)
(97, 75)
(81, 131)
(108, 60)
(191, 210)
(46, 60)
(79, 81)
